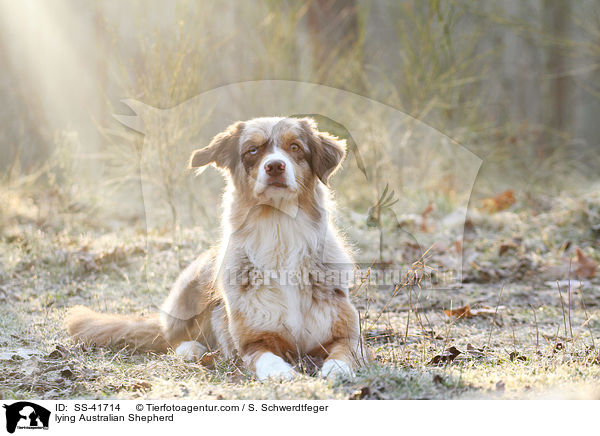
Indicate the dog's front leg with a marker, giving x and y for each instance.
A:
(264, 353)
(339, 361)
(271, 366)
(344, 350)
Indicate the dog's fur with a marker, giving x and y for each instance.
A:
(240, 296)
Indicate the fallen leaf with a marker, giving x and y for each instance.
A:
(446, 357)
(360, 394)
(438, 379)
(141, 387)
(67, 372)
(59, 352)
(461, 312)
(585, 267)
(424, 227)
(209, 360)
(515, 355)
(506, 246)
(477, 352)
(467, 312)
(500, 202)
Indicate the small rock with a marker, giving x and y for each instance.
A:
(501, 386)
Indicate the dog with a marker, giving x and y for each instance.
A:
(276, 288)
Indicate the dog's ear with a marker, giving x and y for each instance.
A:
(327, 151)
(222, 150)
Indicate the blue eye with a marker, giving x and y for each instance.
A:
(253, 150)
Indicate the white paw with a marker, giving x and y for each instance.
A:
(333, 367)
(271, 366)
(190, 350)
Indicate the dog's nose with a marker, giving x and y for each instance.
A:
(275, 167)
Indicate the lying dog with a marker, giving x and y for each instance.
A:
(277, 286)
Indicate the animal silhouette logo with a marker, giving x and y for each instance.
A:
(411, 159)
(26, 415)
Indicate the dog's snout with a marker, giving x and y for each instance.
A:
(275, 167)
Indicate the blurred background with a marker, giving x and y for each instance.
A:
(515, 82)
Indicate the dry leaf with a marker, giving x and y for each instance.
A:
(424, 227)
(59, 352)
(467, 312)
(475, 352)
(360, 394)
(586, 267)
(506, 246)
(209, 360)
(499, 202)
(141, 387)
(438, 379)
(515, 355)
(461, 312)
(67, 372)
(446, 357)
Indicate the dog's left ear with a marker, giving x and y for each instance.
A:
(327, 151)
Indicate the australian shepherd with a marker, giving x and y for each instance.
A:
(276, 288)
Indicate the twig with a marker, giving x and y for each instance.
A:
(407, 320)
(360, 338)
(450, 323)
(406, 280)
(587, 317)
(537, 331)
(494, 318)
(563, 308)
(570, 327)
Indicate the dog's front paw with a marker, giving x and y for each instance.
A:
(333, 367)
(270, 366)
(190, 350)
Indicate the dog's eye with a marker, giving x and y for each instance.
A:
(295, 147)
(253, 150)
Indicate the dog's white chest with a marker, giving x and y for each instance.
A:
(309, 321)
(289, 310)
(283, 251)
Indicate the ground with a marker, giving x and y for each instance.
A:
(534, 336)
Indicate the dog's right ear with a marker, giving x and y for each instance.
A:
(222, 150)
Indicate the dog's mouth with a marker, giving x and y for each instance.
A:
(277, 183)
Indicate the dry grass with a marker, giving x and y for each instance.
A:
(69, 235)
(524, 350)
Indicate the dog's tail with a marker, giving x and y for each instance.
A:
(136, 332)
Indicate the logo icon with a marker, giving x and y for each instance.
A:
(26, 415)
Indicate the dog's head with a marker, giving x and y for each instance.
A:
(273, 158)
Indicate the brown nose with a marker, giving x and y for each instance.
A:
(275, 167)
